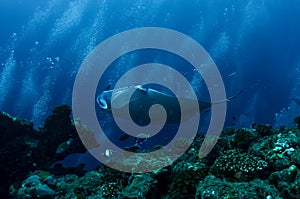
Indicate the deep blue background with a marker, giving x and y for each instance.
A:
(43, 43)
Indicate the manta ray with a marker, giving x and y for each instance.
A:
(142, 98)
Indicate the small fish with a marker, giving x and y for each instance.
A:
(108, 152)
(206, 111)
(133, 148)
(157, 147)
(232, 74)
(253, 125)
(137, 137)
(124, 137)
(142, 137)
(12, 189)
(234, 118)
(63, 147)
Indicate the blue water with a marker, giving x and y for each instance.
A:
(43, 43)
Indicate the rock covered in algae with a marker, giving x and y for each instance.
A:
(287, 181)
(215, 188)
(32, 187)
(142, 186)
(185, 177)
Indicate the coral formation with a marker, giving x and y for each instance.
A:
(257, 162)
(238, 166)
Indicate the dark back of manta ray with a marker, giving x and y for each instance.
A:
(140, 115)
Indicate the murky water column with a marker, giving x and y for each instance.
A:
(7, 78)
(68, 21)
(62, 30)
(287, 114)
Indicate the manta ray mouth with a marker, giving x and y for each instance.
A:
(102, 102)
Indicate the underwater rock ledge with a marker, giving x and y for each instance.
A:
(24, 149)
(257, 162)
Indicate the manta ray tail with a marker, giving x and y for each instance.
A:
(234, 96)
(206, 105)
(228, 99)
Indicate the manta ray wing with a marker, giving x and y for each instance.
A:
(139, 100)
(122, 96)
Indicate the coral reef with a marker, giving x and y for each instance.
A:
(24, 149)
(58, 129)
(256, 162)
(18, 140)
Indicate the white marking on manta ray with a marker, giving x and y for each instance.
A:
(143, 98)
